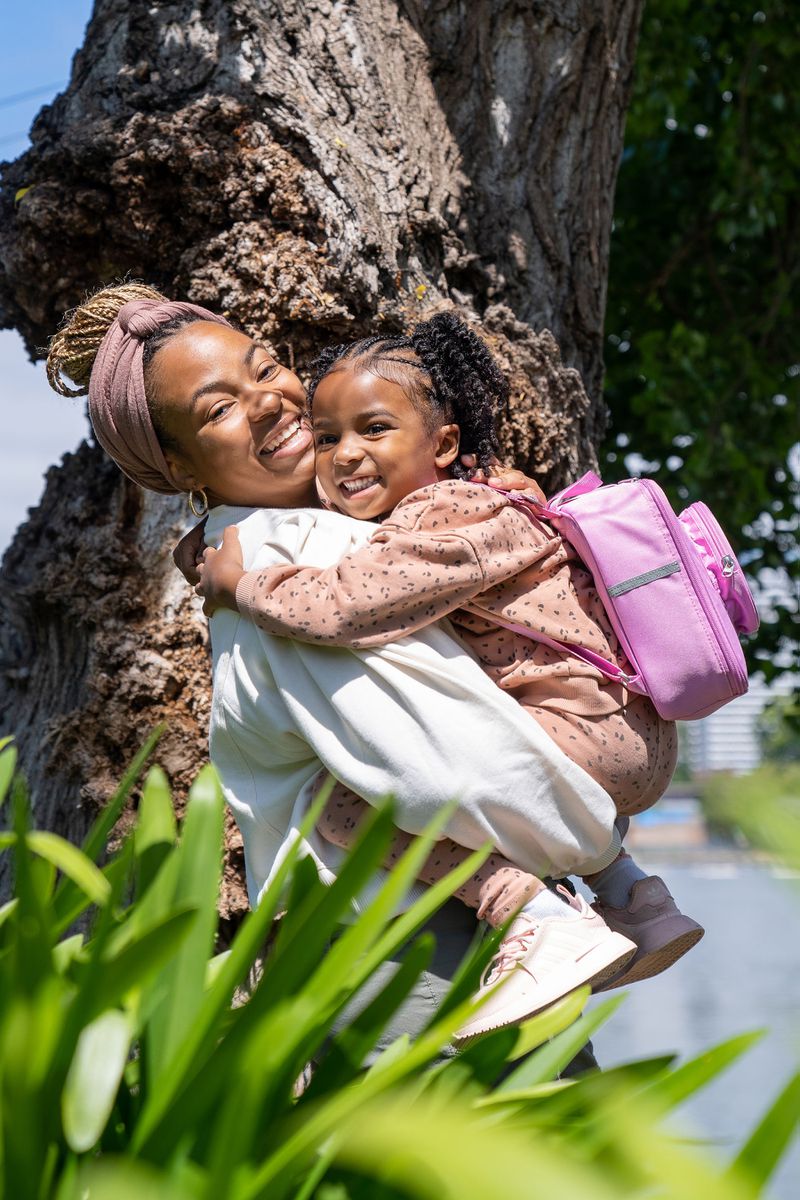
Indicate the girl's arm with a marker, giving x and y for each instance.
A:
(434, 555)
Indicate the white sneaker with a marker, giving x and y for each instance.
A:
(539, 962)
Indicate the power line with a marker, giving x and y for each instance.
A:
(6, 101)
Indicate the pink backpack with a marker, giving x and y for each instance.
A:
(671, 585)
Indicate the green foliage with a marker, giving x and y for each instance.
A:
(703, 375)
(779, 730)
(763, 805)
(127, 1071)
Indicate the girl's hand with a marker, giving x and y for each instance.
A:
(504, 477)
(189, 552)
(219, 573)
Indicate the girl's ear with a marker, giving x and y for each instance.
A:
(447, 440)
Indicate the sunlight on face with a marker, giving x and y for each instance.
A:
(235, 417)
(373, 445)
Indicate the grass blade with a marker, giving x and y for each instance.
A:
(72, 862)
(764, 1149)
(8, 764)
(199, 857)
(546, 1062)
(93, 1078)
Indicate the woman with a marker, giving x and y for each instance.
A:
(180, 399)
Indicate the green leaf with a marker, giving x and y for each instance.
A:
(156, 828)
(67, 905)
(66, 951)
(134, 965)
(72, 862)
(95, 842)
(122, 1179)
(199, 858)
(68, 900)
(761, 1153)
(545, 1025)
(675, 1086)
(546, 1063)
(155, 821)
(405, 1145)
(94, 1077)
(8, 763)
(345, 1057)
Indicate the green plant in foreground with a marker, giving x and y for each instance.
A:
(126, 1072)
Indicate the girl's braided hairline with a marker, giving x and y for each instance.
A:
(455, 378)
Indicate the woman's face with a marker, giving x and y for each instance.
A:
(237, 418)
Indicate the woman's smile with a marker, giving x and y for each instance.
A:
(236, 418)
(292, 436)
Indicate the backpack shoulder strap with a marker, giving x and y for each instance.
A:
(537, 510)
(610, 669)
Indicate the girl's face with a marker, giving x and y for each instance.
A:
(373, 444)
(237, 418)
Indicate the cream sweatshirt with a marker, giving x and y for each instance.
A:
(416, 718)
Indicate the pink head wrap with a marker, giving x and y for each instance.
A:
(117, 404)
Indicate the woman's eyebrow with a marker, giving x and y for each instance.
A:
(219, 385)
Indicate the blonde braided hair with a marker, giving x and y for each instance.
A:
(73, 349)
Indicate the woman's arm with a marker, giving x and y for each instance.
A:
(432, 556)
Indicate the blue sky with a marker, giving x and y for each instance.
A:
(37, 42)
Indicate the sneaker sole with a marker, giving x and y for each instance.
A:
(598, 965)
(655, 961)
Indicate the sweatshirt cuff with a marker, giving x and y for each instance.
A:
(245, 592)
(603, 860)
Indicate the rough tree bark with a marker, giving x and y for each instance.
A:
(315, 169)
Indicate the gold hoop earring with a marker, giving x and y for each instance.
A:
(203, 509)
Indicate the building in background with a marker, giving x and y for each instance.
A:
(728, 740)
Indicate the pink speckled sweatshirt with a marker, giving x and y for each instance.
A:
(455, 547)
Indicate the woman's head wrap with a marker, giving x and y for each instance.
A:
(117, 403)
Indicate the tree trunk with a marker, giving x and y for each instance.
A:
(315, 169)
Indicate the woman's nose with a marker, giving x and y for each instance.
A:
(265, 402)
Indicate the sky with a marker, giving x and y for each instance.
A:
(37, 42)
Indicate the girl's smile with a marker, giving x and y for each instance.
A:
(373, 445)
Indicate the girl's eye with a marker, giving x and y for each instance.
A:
(268, 370)
(325, 439)
(219, 410)
(377, 427)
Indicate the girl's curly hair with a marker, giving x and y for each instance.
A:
(445, 369)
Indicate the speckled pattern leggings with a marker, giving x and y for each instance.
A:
(631, 754)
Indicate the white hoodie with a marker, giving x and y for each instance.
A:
(417, 719)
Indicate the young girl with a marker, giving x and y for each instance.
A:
(390, 418)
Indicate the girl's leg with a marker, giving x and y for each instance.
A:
(496, 891)
(632, 754)
(552, 947)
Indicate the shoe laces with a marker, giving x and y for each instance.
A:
(513, 947)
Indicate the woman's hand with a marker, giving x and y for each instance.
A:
(504, 477)
(189, 553)
(219, 573)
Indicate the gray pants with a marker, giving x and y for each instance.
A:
(454, 927)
